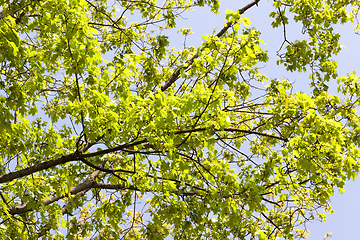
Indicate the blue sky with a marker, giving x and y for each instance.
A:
(343, 223)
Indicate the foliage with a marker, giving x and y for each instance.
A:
(108, 132)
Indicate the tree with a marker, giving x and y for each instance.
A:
(107, 132)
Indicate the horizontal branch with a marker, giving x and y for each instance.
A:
(111, 150)
(23, 208)
(256, 133)
(250, 112)
(92, 184)
(120, 186)
(41, 166)
(76, 156)
(81, 188)
(233, 130)
(81, 156)
(87, 185)
(105, 169)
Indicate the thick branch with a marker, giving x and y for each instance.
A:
(82, 188)
(64, 159)
(42, 166)
(65, 208)
(81, 156)
(74, 190)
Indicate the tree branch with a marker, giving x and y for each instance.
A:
(80, 155)
(65, 208)
(81, 188)
(233, 130)
(114, 149)
(64, 159)
(176, 74)
(42, 166)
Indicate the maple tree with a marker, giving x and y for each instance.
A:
(108, 132)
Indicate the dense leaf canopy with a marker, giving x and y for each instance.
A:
(109, 132)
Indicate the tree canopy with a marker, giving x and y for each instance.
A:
(109, 132)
